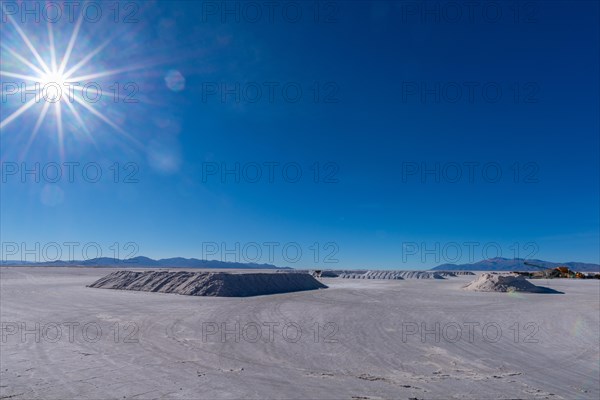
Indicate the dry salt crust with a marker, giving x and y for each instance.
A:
(369, 358)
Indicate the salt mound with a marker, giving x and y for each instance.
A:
(391, 275)
(455, 273)
(421, 275)
(384, 275)
(505, 283)
(208, 283)
(379, 275)
(447, 274)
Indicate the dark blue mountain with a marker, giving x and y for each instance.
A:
(177, 262)
(515, 264)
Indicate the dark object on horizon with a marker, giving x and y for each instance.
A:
(557, 272)
(318, 273)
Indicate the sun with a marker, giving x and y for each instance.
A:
(54, 78)
(56, 85)
(53, 86)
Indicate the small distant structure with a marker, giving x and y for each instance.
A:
(319, 273)
(561, 271)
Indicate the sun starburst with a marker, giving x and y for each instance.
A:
(57, 84)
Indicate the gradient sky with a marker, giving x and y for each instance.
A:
(369, 134)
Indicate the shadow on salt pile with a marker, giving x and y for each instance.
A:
(506, 283)
(221, 284)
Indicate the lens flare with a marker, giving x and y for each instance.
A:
(578, 327)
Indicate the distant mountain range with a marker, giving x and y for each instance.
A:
(177, 262)
(515, 264)
(492, 264)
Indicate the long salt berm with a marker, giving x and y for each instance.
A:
(208, 283)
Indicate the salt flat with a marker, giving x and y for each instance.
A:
(362, 339)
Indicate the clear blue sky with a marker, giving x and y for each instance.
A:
(399, 91)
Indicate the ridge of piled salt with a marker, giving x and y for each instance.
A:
(208, 283)
(394, 275)
(505, 283)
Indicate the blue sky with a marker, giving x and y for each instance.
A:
(361, 98)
